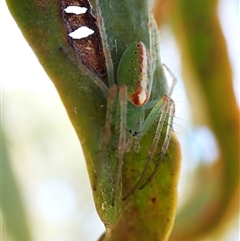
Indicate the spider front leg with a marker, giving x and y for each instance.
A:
(122, 137)
(111, 99)
(113, 92)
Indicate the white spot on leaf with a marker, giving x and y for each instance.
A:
(75, 9)
(81, 32)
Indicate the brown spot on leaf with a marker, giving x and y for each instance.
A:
(153, 200)
(89, 49)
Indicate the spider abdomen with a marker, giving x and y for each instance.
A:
(134, 72)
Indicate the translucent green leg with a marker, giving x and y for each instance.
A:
(112, 93)
(165, 143)
(122, 137)
(106, 51)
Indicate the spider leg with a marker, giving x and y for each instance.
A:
(112, 93)
(160, 124)
(165, 143)
(122, 137)
(174, 80)
(106, 49)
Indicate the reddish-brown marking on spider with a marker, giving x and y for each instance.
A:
(141, 95)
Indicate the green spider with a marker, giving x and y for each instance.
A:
(132, 90)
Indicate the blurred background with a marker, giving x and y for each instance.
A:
(42, 148)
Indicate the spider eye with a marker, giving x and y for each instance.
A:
(136, 133)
